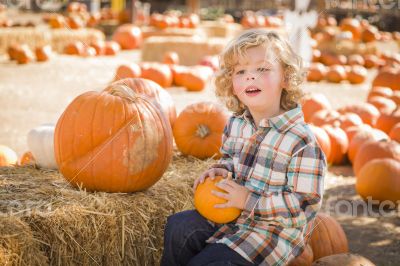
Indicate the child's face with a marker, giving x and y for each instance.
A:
(258, 79)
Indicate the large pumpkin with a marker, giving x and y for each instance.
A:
(368, 113)
(128, 36)
(312, 103)
(198, 129)
(322, 139)
(304, 259)
(361, 137)
(204, 202)
(328, 237)
(388, 77)
(374, 150)
(152, 90)
(8, 157)
(380, 180)
(339, 144)
(114, 141)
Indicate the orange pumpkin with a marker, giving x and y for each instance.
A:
(372, 61)
(388, 77)
(328, 237)
(26, 159)
(24, 55)
(349, 120)
(352, 25)
(387, 121)
(356, 59)
(351, 131)
(325, 117)
(111, 48)
(8, 157)
(316, 72)
(361, 137)
(304, 259)
(204, 202)
(99, 46)
(368, 113)
(178, 73)
(151, 90)
(126, 146)
(57, 21)
(198, 130)
(316, 55)
(339, 144)
(312, 103)
(159, 73)
(171, 58)
(329, 59)
(384, 105)
(75, 22)
(322, 139)
(371, 150)
(131, 70)
(380, 91)
(394, 133)
(357, 74)
(43, 53)
(75, 48)
(396, 97)
(128, 36)
(336, 73)
(196, 78)
(370, 34)
(13, 51)
(89, 51)
(379, 179)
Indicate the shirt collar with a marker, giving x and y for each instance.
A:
(281, 122)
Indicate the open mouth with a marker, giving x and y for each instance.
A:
(252, 91)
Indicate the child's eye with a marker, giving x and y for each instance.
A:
(240, 72)
(262, 69)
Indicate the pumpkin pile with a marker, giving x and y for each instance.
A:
(366, 135)
(254, 20)
(169, 72)
(174, 20)
(23, 54)
(95, 48)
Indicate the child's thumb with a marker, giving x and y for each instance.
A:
(229, 176)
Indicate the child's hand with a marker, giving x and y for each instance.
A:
(236, 195)
(211, 173)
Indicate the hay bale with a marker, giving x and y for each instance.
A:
(39, 36)
(61, 37)
(190, 49)
(149, 31)
(66, 226)
(221, 29)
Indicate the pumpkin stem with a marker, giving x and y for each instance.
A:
(202, 131)
(124, 91)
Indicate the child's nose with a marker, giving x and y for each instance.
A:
(251, 77)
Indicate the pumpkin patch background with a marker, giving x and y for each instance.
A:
(352, 97)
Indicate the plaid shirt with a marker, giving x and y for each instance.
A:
(283, 167)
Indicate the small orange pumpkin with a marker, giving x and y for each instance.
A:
(357, 74)
(111, 48)
(325, 117)
(328, 237)
(43, 53)
(371, 150)
(196, 78)
(198, 130)
(204, 202)
(379, 179)
(388, 77)
(380, 91)
(8, 157)
(131, 70)
(394, 133)
(316, 72)
(351, 131)
(384, 105)
(362, 137)
(128, 36)
(171, 58)
(339, 144)
(312, 103)
(159, 73)
(336, 73)
(368, 113)
(27, 159)
(75, 48)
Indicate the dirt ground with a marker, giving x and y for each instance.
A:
(38, 93)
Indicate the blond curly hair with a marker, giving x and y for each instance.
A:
(291, 63)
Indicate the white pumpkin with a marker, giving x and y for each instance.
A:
(41, 144)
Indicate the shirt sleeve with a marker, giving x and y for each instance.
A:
(226, 150)
(298, 203)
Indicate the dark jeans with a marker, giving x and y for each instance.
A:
(184, 243)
